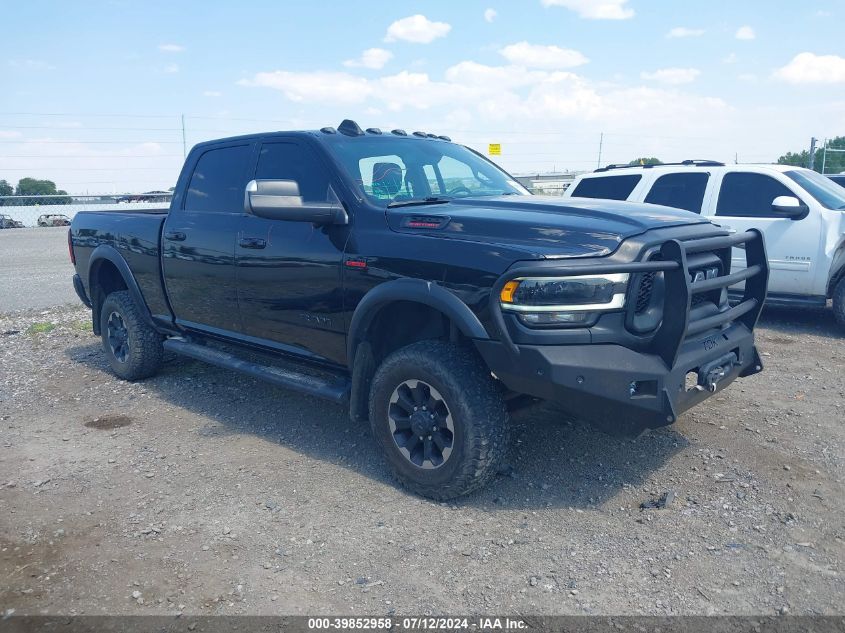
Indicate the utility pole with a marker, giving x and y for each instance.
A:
(812, 161)
(824, 156)
(184, 144)
(601, 142)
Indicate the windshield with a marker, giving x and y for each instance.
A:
(823, 189)
(395, 170)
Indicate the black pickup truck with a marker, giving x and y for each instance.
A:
(413, 280)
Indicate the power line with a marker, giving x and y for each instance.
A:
(87, 168)
(135, 142)
(91, 156)
(127, 116)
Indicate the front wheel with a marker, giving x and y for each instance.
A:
(133, 348)
(839, 302)
(439, 417)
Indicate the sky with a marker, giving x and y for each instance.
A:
(93, 93)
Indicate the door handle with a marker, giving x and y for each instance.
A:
(252, 242)
(175, 236)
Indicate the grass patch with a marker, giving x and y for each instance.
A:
(41, 328)
(83, 325)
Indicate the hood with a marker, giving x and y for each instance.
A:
(543, 226)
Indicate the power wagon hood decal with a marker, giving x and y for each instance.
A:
(543, 226)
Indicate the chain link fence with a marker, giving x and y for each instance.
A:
(58, 210)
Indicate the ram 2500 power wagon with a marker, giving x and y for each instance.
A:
(413, 280)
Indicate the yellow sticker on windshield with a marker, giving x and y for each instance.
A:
(494, 149)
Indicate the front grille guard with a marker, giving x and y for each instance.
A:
(675, 326)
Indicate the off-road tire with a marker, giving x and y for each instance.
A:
(839, 302)
(478, 414)
(144, 355)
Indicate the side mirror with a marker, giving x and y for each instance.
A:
(789, 207)
(280, 200)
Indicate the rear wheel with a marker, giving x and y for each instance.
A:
(839, 302)
(440, 419)
(133, 348)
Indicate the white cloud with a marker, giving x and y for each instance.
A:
(490, 15)
(472, 93)
(806, 68)
(730, 58)
(672, 76)
(9, 134)
(417, 29)
(171, 48)
(212, 93)
(539, 56)
(373, 58)
(595, 9)
(313, 86)
(171, 68)
(480, 76)
(682, 31)
(745, 33)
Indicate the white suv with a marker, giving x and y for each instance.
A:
(800, 212)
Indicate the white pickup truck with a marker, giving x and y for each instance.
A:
(800, 212)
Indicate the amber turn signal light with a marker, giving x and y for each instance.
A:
(507, 291)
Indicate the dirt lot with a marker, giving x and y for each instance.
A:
(205, 492)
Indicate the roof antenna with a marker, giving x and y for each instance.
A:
(350, 128)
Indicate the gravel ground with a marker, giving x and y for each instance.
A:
(35, 270)
(204, 492)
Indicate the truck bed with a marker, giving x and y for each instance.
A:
(136, 235)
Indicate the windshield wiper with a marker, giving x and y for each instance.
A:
(417, 202)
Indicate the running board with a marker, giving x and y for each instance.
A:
(334, 389)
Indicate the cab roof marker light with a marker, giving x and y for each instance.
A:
(350, 128)
(420, 134)
(328, 130)
(445, 138)
(373, 130)
(399, 132)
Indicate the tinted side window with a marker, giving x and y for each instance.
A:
(681, 191)
(219, 179)
(749, 195)
(610, 188)
(291, 161)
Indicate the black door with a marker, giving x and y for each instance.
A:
(198, 241)
(289, 273)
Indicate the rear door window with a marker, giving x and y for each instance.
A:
(681, 191)
(748, 195)
(219, 180)
(609, 187)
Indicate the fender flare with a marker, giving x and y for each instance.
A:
(837, 269)
(418, 291)
(110, 253)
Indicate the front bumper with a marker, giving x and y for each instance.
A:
(690, 355)
(620, 390)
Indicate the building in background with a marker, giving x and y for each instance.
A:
(551, 184)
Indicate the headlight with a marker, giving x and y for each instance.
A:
(564, 301)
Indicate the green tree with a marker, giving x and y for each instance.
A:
(6, 189)
(833, 164)
(646, 161)
(799, 159)
(35, 187)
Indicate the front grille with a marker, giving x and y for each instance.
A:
(659, 297)
(644, 293)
